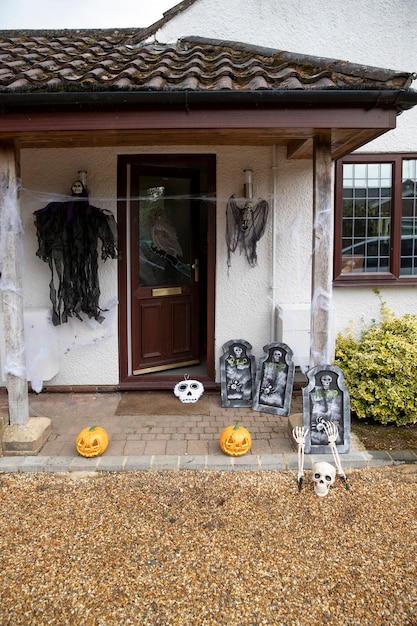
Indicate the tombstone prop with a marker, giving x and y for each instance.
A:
(237, 374)
(326, 401)
(274, 380)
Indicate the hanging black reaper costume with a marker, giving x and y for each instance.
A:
(68, 234)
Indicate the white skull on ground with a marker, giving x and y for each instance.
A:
(324, 476)
(189, 390)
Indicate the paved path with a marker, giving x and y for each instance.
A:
(159, 432)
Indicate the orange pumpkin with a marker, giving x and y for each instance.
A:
(92, 441)
(235, 440)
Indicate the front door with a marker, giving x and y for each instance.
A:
(166, 254)
(164, 224)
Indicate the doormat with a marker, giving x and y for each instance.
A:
(159, 403)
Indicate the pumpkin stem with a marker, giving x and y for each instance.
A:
(92, 428)
(236, 426)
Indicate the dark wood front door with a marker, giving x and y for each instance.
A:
(165, 268)
(165, 250)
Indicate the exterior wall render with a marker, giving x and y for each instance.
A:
(88, 351)
(382, 37)
(381, 34)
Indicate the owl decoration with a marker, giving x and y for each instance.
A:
(163, 234)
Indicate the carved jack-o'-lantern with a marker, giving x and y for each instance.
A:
(92, 441)
(235, 440)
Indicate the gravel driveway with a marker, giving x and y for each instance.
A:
(208, 548)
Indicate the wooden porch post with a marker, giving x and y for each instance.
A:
(11, 285)
(322, 257)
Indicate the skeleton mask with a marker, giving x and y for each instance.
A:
(189, 390)
(77, 188)
(324, 476)
(277, 354)
(238, 351)
(325, 381)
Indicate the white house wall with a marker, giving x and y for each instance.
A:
(381, 34)
(87, 351)
(245, 300)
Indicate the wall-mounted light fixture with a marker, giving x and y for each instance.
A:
(248, 184)
(82, 177)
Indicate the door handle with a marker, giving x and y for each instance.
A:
(196, 268)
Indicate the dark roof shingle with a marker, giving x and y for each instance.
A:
(104, 60)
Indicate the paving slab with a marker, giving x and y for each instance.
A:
(111, 463)
(273, 462)
(33, 464)
(165, 462)
(193, 462)
(83, 464)
(10, 464)
(248, 462)
(58, 464)
(402, 456)
(137, 463)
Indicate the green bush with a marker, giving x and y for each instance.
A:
(381, 369)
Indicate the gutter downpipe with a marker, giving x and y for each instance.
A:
(274, 237)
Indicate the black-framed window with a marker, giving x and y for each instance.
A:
(376, 219)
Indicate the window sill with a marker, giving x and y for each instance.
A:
(374, 280)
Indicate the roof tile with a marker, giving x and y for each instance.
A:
(51, 60)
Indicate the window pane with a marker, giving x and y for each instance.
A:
(360, 228)
(347, 171)
(366, 217)
(386, 173)
(409, 218)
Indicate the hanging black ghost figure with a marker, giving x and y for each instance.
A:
(244, 227)
(68, 236)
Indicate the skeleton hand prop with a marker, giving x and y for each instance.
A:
(332, 432)
(299, 434)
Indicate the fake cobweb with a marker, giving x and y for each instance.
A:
(87, 322)
(100, 321)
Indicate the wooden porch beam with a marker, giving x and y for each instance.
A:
(294, 117)
(298, 148)
(11, 285)
(321, 284)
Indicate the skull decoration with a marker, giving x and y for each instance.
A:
(77, 188)
(189, 390)
(324, 476)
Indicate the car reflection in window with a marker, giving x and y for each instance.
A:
(373, 255)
